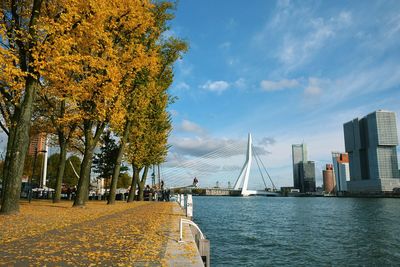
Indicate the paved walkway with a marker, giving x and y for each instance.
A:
(135, 236)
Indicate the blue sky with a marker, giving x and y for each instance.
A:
(286, 71)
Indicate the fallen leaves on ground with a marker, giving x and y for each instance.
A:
(124, 234)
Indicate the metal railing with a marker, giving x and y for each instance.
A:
(203, 245)
(202, 236)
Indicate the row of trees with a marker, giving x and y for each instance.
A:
(75, 68)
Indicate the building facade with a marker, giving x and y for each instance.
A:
(37, 143)
(341, 170)
(299, 155)
(307, 176)
(371, 144)
(329, 179)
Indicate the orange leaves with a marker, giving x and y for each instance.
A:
(124, 234)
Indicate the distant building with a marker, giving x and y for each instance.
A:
(341, 170)
(37, 143)
(299, 155)
(307, 176)
(328, 179)
(371, 144)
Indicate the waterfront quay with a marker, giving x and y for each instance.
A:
(124, 234)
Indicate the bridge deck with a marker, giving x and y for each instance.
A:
(259, 193)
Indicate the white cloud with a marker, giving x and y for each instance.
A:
(185, 68)
(296, 49)
(267, 141)
(204, 145)
(360, 81)
(344, 18)
(313, 88)
(182, 86)
(278, 85)
(191, 127)
(295, 34)
(240, 83)
(216, 86)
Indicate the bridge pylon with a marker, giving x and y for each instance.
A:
(243, 180)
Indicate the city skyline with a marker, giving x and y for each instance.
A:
(288, 72)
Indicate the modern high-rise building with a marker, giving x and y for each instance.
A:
(307, 176)
(371, 144)
(299, 154)
(328, 179)
(341, 170)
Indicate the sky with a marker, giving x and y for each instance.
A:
(288, 72)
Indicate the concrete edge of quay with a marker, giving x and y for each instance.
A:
(184, 253)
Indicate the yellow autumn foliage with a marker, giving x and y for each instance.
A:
(125, 234)
(92, 52)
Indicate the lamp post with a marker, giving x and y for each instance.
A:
(43, 169)
(31, 177)
(153, 177)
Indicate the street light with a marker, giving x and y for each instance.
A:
(31, 177)
(43, 170)
(33, 172)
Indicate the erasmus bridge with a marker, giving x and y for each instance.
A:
(217, 163)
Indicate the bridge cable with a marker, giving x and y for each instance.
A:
(202, 167)
(273, 185)
(193, 162)
(259, 169)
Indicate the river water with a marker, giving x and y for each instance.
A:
(296, 231)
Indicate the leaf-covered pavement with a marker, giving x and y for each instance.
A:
(125, 234)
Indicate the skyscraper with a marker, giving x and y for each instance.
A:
(341, 170)
(299, 154)
(307, 176)
(371, 144)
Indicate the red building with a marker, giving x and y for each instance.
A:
(38, 143)
(329, 179)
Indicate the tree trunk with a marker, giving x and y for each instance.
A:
(142, 183)
(7, 160)
(84, 177)
(61, 167)
(17, 150)
(82, 191)
(135, 180)
(117, 167)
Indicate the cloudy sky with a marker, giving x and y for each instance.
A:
(286, 71)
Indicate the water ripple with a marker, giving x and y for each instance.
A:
(263, 231)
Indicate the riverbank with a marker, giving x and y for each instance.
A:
(125, 234)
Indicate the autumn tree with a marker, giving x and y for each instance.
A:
(58, 116)
(20, 37)
(104, 161)
(148, 142)
(87, 65)
(150, 41)
(151, 123)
